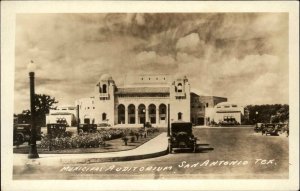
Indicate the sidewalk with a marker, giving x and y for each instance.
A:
(157, 146)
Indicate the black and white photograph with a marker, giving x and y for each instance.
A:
(146, 93)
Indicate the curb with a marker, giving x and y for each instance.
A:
(114, 159)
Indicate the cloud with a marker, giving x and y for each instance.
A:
(227, 54)
(189, 41)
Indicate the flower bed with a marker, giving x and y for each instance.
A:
(84, 140)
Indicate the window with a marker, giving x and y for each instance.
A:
(206, 104)
(142, 78)
(179, 116)
(226, 106)
(104, 87)
(93, 107)
(234, 105)
(149, 78)
(88, 107)
(103, 116)
(179, 87)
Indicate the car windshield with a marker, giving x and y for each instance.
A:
(181, 127)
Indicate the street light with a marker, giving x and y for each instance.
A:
(256, 114)
(32, 150)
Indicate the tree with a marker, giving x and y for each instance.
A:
(43, 103)
(267, 113)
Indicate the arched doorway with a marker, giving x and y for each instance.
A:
(152, 113)
(162, 113)
(141, 114)
(121, 114)
(131, 114)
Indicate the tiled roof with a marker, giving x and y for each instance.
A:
(140, 90)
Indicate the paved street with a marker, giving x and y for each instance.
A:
(222, 153)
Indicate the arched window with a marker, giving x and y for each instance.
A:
(179, 116)
(103, 116)
(179, 87)
(104, 88)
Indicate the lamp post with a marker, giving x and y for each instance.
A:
(256, 114)
(32, 149)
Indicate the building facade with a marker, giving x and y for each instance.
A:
(65, 113)
(227, 110)
(146, 98)
(143, 98)
(202, 108)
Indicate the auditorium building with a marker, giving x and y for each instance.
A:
(145, 98)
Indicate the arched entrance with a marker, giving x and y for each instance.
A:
(121, 114)
(152, 113)
(131, 114)
(141, 114)
(162, 114)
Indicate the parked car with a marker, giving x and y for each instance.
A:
(258, 127)
(229, 122)
(56, 129)
(22, 133)
(86, 127)
(270, 128)
(181, 136)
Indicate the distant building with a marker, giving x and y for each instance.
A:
(202, 108)
(67, 113)
(227, 110)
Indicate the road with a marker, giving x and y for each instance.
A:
(222, 153)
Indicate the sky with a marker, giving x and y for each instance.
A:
(241, 56)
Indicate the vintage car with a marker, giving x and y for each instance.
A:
(56, 129)
(86, 127)
(228, 122)
(22, 133)
(181, 136)
(258, 127)
(270, 128)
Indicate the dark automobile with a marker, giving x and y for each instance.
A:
(181, 136)
(270, 128)
(86, 127)
(56, 129)
(228, 122)
(22, 133)
(258, 127)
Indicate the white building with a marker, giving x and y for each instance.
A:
(143, 98)
(226, 110)
(67, 113)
